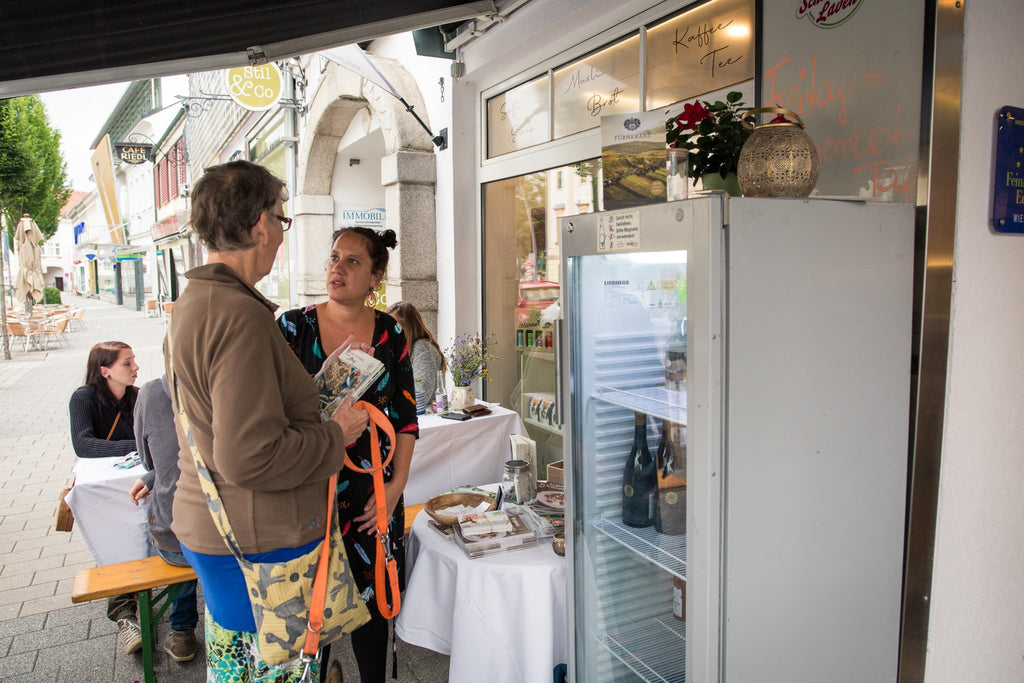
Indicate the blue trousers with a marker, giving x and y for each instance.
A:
(184, 611)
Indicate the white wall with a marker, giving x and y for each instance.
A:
(976, 630)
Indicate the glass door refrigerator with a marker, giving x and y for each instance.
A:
(761, 348)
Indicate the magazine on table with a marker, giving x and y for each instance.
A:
(350, 374)
(520, 537)
(543, 525)
(546, 513)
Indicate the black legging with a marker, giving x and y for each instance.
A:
(370, 647)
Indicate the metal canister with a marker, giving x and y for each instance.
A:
(517, 482)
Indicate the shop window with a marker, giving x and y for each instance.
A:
(604, 83)
(518, 118)
(523, 280)
(695, 52)
(704, 49)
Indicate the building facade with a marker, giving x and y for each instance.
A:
(476, 221)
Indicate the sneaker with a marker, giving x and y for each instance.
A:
(181, 645)
(334, 673)
(131, 634)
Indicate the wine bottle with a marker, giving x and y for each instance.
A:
(670, 498)
(638, 479)
(675, 357)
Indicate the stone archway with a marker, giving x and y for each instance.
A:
(408, 175)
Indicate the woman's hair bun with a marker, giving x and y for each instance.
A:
(389, 238)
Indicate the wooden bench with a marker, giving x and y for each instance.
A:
(139, 577)
(410, 516)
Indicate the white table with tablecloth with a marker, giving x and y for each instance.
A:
(113, 527)
(501, 618)
(450, 453)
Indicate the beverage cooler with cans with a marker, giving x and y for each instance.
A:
(737, 377)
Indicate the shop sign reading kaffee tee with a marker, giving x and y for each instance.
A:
(256, 88)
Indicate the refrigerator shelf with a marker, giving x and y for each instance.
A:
(655, 401)
(668, 552)
(655, 650)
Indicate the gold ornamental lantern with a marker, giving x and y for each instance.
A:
(779, 158)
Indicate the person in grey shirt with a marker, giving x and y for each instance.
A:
(157, 443)
(427, 358)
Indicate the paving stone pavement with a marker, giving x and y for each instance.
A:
(43, 637)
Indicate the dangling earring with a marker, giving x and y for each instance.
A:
(376, 297)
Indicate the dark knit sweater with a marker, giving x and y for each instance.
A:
(91, 418)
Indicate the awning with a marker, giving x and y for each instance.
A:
(168, 230)
(54, 44)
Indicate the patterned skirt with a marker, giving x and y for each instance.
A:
(234, 657)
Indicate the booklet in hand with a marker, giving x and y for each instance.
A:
(350, 374)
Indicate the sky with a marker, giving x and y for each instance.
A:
(79, 114)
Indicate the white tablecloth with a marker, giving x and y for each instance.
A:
(450, 453)
(501, 618)
(114, 529)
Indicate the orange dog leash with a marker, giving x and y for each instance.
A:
(385, 564)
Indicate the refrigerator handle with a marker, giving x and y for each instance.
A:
(557, 342)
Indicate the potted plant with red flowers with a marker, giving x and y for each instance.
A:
(713, 134)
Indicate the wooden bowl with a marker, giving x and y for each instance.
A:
(448, 500)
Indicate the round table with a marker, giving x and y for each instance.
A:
(501, 618)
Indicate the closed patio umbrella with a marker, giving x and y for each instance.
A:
(28, 286)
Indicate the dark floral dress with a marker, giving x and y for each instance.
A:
(394, 395)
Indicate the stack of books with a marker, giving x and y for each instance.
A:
(517, 537)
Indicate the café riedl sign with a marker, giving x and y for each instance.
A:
(256, 88)
(133, 152)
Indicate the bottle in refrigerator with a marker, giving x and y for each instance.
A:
(639, 482)
(675, 357)
(670, 498)
(679, 598)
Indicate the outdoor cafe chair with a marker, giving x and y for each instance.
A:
(58, 327)
(16, 330)
(76, 316)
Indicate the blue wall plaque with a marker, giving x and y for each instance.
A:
(1008, 191)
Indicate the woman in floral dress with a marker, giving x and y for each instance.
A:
(356, 265)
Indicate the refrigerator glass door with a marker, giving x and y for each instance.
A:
(627, 329)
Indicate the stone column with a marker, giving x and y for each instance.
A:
(314, 225)
(409, 179)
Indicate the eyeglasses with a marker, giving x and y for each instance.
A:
(286, 222)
